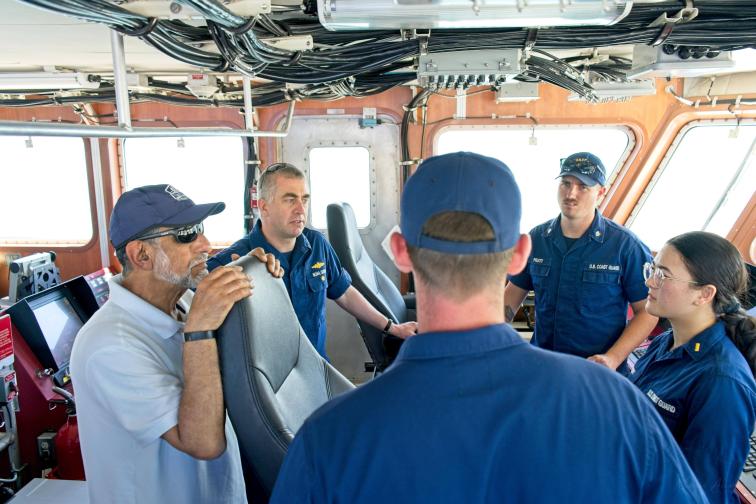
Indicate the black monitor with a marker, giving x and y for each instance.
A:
(59, 322)
(50, 320)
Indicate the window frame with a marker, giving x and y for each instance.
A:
(616, 171)
(371, 172)
(123, 175)
(670, 153)
(64, 244)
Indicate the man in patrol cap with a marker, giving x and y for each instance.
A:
(469, 412)
(312, 268)
(585, 270)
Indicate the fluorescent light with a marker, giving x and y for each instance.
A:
(618, 91)
(48, 80)
(426, 14)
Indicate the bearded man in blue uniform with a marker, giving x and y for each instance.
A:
(585, 271)
(469, 412)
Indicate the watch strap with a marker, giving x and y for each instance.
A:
(198, 335)
(388, 326)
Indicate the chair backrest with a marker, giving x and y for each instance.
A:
(367, 278)
(273, 378)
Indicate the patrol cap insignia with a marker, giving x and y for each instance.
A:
(175, 193)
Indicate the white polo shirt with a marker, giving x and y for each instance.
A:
(126, 368)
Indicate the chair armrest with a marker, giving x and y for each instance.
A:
(410, 302)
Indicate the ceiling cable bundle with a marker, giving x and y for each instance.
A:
(360, 63)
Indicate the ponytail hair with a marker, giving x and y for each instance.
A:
(712, 260)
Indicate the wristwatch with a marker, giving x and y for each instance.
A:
(388, 326)
(198, 335)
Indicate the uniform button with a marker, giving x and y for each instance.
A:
(598, 233)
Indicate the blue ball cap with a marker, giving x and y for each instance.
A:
(585, 167)
(463, 182)
(146, 207)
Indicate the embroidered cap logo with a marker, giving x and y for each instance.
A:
(175, 193)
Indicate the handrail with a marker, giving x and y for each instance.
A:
(24, 128)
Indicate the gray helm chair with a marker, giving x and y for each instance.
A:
(273, 378)
(370, 281)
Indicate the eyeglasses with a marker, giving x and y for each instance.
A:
(186, 234)
(656, 276)
(578, 164)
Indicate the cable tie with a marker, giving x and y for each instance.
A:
(686, 14)
(714, 101)
(140, 32)
(239, 30)
(530, 40)
(737, 100)
(663, 35)
(294, 59)
(255, 162)
(222, 68)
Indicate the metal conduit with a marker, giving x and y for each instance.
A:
(76, 130)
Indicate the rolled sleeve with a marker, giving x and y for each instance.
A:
(522, 279)
(338, 278)
(633, 282)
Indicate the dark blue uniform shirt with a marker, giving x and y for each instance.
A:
(312, 272)
(705, 393)
(582, 294)
(481, 416)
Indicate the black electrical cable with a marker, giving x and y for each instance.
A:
(362, 61)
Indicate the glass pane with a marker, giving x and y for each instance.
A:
(44, 196)
(206, 169)
(535, 163)
(340, 174)
(694, 181)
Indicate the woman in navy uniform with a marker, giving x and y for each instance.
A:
(699, 374)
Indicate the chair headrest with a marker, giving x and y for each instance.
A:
(269, 315)
(346, 224)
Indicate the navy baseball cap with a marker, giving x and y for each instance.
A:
(462, 182)
(585, 167)
(147, 207)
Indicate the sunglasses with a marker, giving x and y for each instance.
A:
(186, 234)
(580, 165)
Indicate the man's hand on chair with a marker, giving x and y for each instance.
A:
(403, 331)
(274, 265)
(214, 297)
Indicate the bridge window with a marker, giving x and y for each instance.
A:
(533, 155)
(704, 183)
(44, 196)
(340, 174)
(206, 169)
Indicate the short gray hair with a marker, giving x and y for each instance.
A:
(266, 183)
(120, 252)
